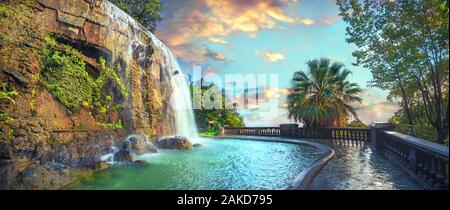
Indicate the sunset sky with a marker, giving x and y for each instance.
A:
(265, 37)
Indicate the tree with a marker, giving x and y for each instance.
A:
(322, 96)
(405, 44)
(213, 119)
(357, 123)
(146, 12)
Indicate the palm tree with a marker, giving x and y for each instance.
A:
(322, 96)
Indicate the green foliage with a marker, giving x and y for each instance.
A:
(109, 73)
(117, 125)
(215, 119)
(422, 127)
(405, 45)
(7, 94)
(322, 95)
(4, 10)
(150, 132)
(146, 12)
(65, 75)
(356, 124)
(209, 133)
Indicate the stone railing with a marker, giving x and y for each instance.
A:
(425, 159)
(293, 131)
(253, 131)
(358, 134)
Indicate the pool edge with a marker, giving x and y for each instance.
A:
(304, 179)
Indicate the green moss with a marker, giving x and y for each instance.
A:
(109, 73)
(4, 10)
(150, 132)
(10, 132)
(117, 125)
(66, 77)
(7, 94)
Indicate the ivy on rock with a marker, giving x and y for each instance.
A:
(66, 77)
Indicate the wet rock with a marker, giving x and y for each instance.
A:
(101, 165)
(31, 175)
(140, 144)
(174, 142)
(123, 156)
(110, 150)
(126, 146)
(197, 145)
(6, 151)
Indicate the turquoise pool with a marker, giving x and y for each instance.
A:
(219, 164)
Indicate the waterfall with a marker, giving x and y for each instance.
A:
(180, 101)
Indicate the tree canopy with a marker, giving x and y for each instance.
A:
(323, 95)
(146, 12)
(212, 119)
(405, 45)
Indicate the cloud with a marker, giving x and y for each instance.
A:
(216, 56)
(273, 57)
(378, 112)
(331, 20)
(375, 107)
(192, 22)
(308, 22)
(218, 40)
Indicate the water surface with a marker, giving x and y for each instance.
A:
(218, 164)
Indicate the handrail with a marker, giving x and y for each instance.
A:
(425, 159)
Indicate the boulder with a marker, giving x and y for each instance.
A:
(140, 144)
(101, 165)
(197, 145)
(6, 151)
(174, 142)
(123, 156)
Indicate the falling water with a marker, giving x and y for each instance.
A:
(180, 101)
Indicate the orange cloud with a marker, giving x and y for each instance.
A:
(218, 40)
(186, 29)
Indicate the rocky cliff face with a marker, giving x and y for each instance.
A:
(77, 77)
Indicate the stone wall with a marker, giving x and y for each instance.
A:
(95, 28)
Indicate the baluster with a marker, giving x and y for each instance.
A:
(442, 175)
(427, 167)
(433, 170)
